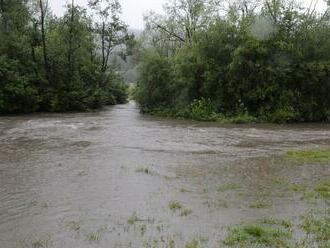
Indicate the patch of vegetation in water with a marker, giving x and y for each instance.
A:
(74, 225)
(175, 205)
(323, 189)
(133, 219)
(43, 241)
(271, 221)
(317, 227)
(192, 244)
(257, 235)
(311, 192)
(93, 236)
(145, 170)
(186, 212)
(260, 204)
(310, 156)
(227, 187)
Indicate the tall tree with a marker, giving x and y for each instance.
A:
(110, 30)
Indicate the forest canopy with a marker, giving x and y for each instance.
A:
(240, 60)
(60, 64)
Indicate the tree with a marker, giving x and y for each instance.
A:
(183, 18)
(110, 30)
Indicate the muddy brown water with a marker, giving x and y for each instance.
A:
(75, 180)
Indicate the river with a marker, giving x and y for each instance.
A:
(108, 178)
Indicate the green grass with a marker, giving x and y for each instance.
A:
(229, 186)
(323, 189)
(133, 219)
(74, 225)
(317, 226)
(260, 204)
(144, 169)
(94, 236)
(175, 205)
(186, 212)
(311, 156)
(192, 244)
(40, 242)
(254, 235)
(272, 221)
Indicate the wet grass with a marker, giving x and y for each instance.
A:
(186, 212)
(175, 205)
(75, 225)
(310, 156)
(317, 227)
(217, 204)
(260, 204)
(145, 170)
(227, 187)
(183, 190)
(93, 236)
(272, 221)
(133, 219)
(37, 242)
(192, 244)
(323, 189)
(257, 235)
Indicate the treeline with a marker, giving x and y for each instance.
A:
(59, 64)
(242, 61)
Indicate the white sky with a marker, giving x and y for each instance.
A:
(133, 10)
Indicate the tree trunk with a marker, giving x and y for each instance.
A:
(43, 37)
(103, 45)
(70, 52)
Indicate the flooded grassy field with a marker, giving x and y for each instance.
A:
(116, 178)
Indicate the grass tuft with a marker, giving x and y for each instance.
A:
(254, 234)
(175, 205)
(192, 244)
(186, 212)
(311, 156)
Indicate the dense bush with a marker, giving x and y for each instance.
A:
(280, 75)
(54, 64)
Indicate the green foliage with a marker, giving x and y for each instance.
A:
(252, 235)
(17, 93)
(279, 73)
(73, 78)
(202, 110)
(311, 156)
(153, 88)
(319, 227)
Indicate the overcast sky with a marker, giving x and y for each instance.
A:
(133, 10)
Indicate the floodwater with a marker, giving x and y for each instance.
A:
(106, 179)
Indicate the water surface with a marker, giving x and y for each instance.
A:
(65, 177)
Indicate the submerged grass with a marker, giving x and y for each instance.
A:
(144, 169)
(186, 212)
(310, 156)
(192, 244)
(75, 225)
(260, 204)
(323, 189)
(93, 236)
(253, 235)
(317, 227)
(133, 219)
(175, 205)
